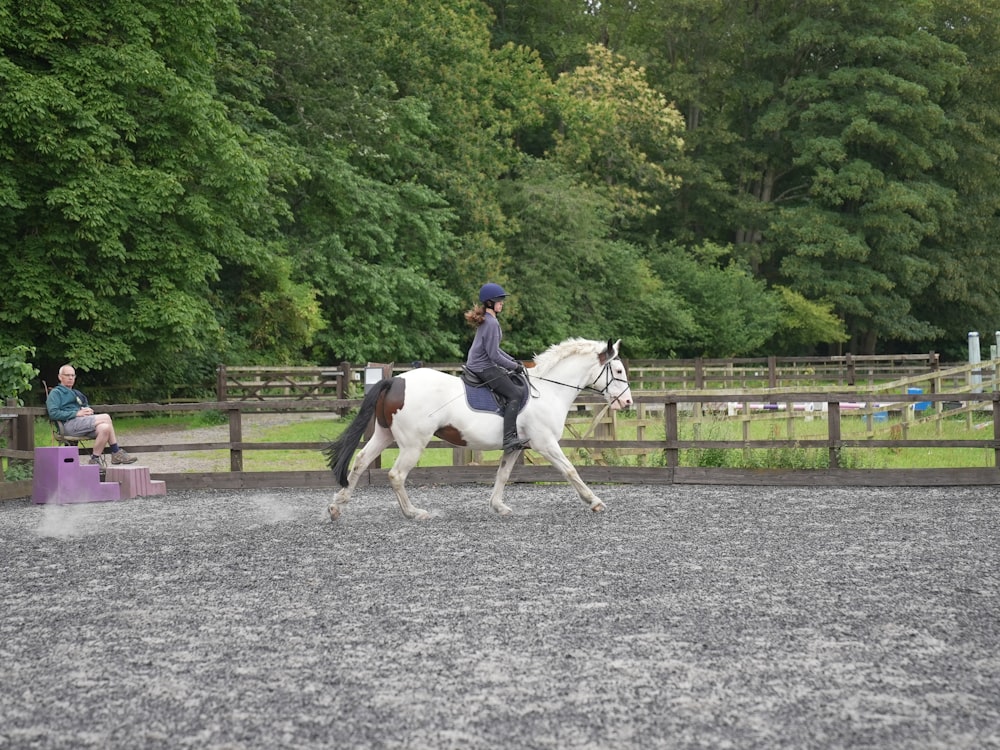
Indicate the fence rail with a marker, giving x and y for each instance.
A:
(345, 380)
(967, 389)
(237, 383)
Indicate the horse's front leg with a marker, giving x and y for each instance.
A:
(558, 459)
(507, 464)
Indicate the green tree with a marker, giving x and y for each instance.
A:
(966, 289)
(617, 133)
(690, 51)
(731, 313)
(865, 125)
(125, 187)
(366, 228)
(16, 372)
(404, 119)
(836, 119)
(479, 100)
(559, 30)
(569, 276)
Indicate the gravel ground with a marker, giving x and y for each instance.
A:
(684, 617)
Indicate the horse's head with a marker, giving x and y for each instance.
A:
(571, 364)
(613, 379)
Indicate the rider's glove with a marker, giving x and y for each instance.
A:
(520, 369)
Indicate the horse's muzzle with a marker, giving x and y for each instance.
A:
(624, 401)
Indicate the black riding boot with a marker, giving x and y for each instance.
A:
(511, 442)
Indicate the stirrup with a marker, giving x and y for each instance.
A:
(516, 444)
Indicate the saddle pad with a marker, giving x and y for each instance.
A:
(481, 398)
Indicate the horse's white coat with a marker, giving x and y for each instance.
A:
(434, 400)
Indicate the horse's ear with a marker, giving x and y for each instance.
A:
(611, 352)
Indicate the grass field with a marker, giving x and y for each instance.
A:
(628, 428)
(852, 428)
(709, 429)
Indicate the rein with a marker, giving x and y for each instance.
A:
(606, 371)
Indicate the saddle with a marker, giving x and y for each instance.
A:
(481, 397)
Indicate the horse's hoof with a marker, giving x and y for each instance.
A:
(334, 511)
(503, 510)
(597, 507)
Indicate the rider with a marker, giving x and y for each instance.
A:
(487, 360)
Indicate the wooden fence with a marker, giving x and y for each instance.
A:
(649, 376)
(964, 390)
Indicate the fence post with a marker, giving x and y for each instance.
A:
(22, 434)
(850, 368)
(221, 393)
(746, 428)
(833, 431)
(996, 365)
(996, 429)
(976, 376)
(671, 432)
(235, 436)
(344, 384)
(772, 371)
(384, 371)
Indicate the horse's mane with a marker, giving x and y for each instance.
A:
(568, 348)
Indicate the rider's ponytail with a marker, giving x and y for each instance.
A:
(475, 316)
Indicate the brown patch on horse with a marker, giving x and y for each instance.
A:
(390, 402)
(450, 435)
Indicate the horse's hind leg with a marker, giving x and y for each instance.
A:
(380, 440)
(406, 460)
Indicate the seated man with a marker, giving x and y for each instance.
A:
(70, 406)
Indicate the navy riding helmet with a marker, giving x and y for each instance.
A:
(490, 292)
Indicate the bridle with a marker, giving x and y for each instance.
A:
(606, 372)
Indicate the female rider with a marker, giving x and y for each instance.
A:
(491, 363)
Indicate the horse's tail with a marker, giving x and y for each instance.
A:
(338, 453)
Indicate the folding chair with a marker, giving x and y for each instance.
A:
(59, 430)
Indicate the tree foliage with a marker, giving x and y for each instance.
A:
(16, 372)
(310, 181)
(128, 190)
(617, 132)
(836, 130)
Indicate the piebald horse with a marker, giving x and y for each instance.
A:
(413, 407)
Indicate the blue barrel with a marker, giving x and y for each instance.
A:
(920, 405)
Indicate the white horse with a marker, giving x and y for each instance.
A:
(411, 408)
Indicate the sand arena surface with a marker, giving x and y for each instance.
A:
(684, 617)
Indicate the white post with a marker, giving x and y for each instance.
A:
(995, 373)
(976, 378)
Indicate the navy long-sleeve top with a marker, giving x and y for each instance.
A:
(485, 350)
